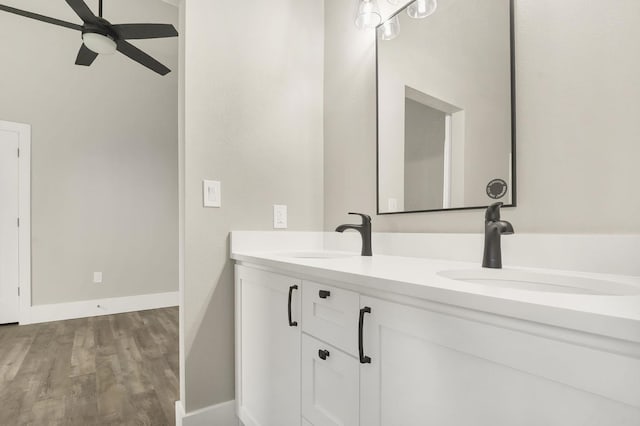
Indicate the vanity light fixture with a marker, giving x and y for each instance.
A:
(368, 14)
(390, 29)
(422, 8)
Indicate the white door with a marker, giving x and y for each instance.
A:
(268, 336)
(9, 267)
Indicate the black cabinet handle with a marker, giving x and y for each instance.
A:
(324, 294)
(363, 358)
(323, 354)
(291, 323)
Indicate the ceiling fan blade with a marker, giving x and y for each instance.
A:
(142, 58)
(42, 18)
(82, 10)
(86, 56)
(140, 31)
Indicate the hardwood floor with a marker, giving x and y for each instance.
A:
(110, 370)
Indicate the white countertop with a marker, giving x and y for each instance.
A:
(612, 316)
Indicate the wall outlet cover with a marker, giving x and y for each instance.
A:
(97, 277)
(279, 216)
(211, 193)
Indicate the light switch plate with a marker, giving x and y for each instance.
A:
(211, 193)
(97, 277)
(279, 216)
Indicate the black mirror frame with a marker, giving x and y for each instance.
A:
(513, 123)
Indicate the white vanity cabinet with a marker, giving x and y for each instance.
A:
(267, 348)
(368, 358)
(458, 369)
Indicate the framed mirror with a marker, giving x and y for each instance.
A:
(446, 106)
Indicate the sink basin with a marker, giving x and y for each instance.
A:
(317, 255)
(541, 282)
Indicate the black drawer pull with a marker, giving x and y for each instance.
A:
(363, 358)
(324, 294)
(291, 323)
(323, 354)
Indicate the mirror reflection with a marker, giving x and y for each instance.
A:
(444, 76)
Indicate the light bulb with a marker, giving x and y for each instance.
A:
(368, 14)
(390, 29)
(422, 8)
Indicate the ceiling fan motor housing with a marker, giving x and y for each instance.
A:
(99, 38)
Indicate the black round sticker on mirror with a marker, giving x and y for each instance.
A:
(497, 188)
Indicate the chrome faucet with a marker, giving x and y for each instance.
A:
(365, 232)
(493, 229)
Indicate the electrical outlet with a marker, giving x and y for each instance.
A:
(97, 277)
(279, 216)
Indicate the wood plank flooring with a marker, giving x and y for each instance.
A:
(110, 370)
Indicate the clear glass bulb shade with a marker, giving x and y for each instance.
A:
(390, 29)
(99, 43)
(422, 8)
(368, 14)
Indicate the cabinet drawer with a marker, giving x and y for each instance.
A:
(330, 385)
(331, 314)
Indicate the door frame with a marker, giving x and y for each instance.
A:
(24, 214)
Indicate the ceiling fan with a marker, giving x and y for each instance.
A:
(99, 36)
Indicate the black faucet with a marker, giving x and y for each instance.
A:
(364, 230)
(493, 229)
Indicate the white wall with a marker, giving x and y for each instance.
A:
(578, 81)
(104, 154)
(253, 120)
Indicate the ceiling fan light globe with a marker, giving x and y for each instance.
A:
(99, 43)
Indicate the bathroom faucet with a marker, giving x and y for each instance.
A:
(493, 229)
(364, 230)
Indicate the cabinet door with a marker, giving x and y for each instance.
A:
(267, 348)
(329, 385)
(430, 368)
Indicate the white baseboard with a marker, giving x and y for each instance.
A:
(179, 413)
(97, 307)
(223, 414)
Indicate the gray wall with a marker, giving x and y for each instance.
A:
(104, 155)
(423, 156)
(578, 82)
(253, 120)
